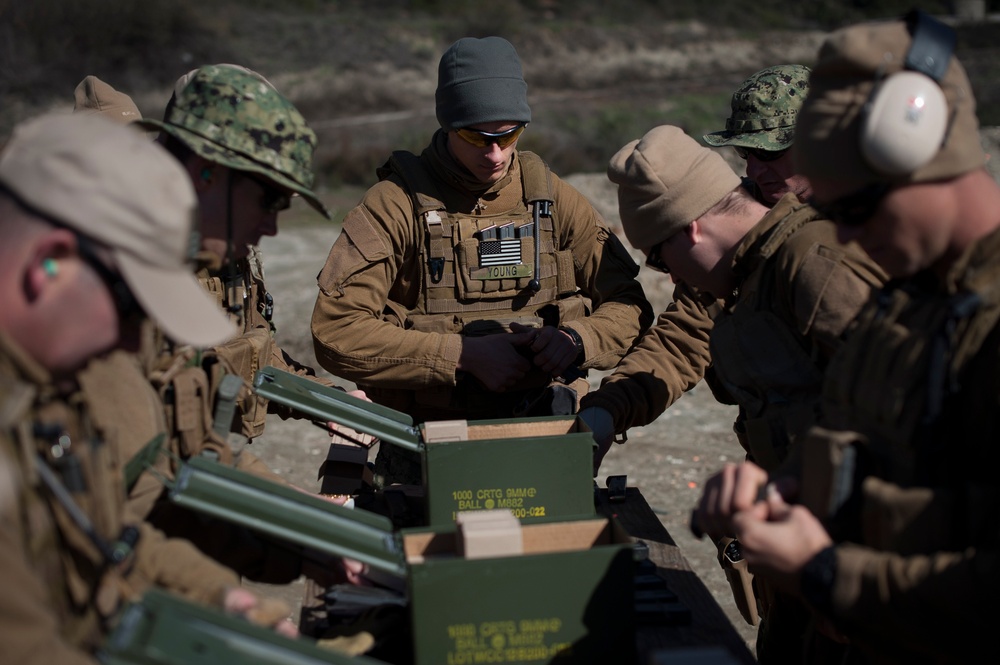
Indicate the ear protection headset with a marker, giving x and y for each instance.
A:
(905, 119)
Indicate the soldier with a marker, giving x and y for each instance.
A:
(116, 379)
(470, 277)
(96, 224)
(761, 128)
(762, 298)
(92, 95)
(887, 525)
(246, 161)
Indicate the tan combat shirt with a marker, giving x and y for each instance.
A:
(768, 342)
(59, 592)
(916, 391)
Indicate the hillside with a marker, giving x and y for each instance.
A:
(599, 73)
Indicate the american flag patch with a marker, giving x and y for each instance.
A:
(499, 252)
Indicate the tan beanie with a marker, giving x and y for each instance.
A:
(851, 61)
(665, 181)
(92, 95)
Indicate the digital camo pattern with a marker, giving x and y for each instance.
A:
(232, 118)
(764, 109)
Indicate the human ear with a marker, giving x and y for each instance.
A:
(44, 260)
(693, 232)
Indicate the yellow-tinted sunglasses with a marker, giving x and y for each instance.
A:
(482, 139)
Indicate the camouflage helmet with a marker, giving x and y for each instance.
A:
(231, 117)
(764, 109)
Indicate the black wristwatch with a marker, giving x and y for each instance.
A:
(818, 575)
(577, 340)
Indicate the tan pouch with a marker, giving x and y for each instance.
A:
(829, 459)
(740, 579)
(191, 409)
(243, 356)
(906, 520)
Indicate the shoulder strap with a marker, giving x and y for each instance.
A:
(535, 176)
(428, 207)
(419, 184)
(797, 217)
(537, 184)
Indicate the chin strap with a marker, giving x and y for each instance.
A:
(235, 304)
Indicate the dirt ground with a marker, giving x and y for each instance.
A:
(668, 460)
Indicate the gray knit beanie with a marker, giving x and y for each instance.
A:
(479, 81)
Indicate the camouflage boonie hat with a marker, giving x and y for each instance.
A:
(232, 118)
(764, 109)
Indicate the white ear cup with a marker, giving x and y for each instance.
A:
(904, 123)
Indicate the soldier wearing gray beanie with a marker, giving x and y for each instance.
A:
(471, 282)
(480, 80)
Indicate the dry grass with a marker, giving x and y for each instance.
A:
(600, 73)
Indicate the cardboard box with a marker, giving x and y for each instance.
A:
(164, 629)
(538, 468)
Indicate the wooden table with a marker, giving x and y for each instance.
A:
(708, 626)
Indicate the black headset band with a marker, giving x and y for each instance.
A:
(932, 47)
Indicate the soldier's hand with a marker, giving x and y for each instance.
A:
(778, 539)
(328, 570)
(332, 427)
(602, 426)
(262, 611)
(736, 487)
(494, 359)
(360, 394)
(553, 349)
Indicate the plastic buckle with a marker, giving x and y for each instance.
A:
(617, 488)
(437, 269)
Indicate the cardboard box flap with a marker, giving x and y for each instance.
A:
(524, 428)
(440, 431)
(288, 515)
(421, 544)
(330, 404)
(488, 533)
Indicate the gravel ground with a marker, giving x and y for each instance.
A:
(668, 459)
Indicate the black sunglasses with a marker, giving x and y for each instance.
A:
(854, 209)
(126, 303)
(273, 199)
(654, 259)
(761, 155)
(482, 139)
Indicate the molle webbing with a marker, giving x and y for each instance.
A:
(449, 255)
(796, 219)
(426, 204)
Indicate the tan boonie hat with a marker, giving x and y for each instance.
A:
(93, 95)
(764, 109)
(114, 186)
(851, 61)
(665, 181)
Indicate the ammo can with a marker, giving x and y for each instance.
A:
(163, 629)
(564, 594)
(537, 468)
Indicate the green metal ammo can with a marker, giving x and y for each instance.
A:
(535, 467)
